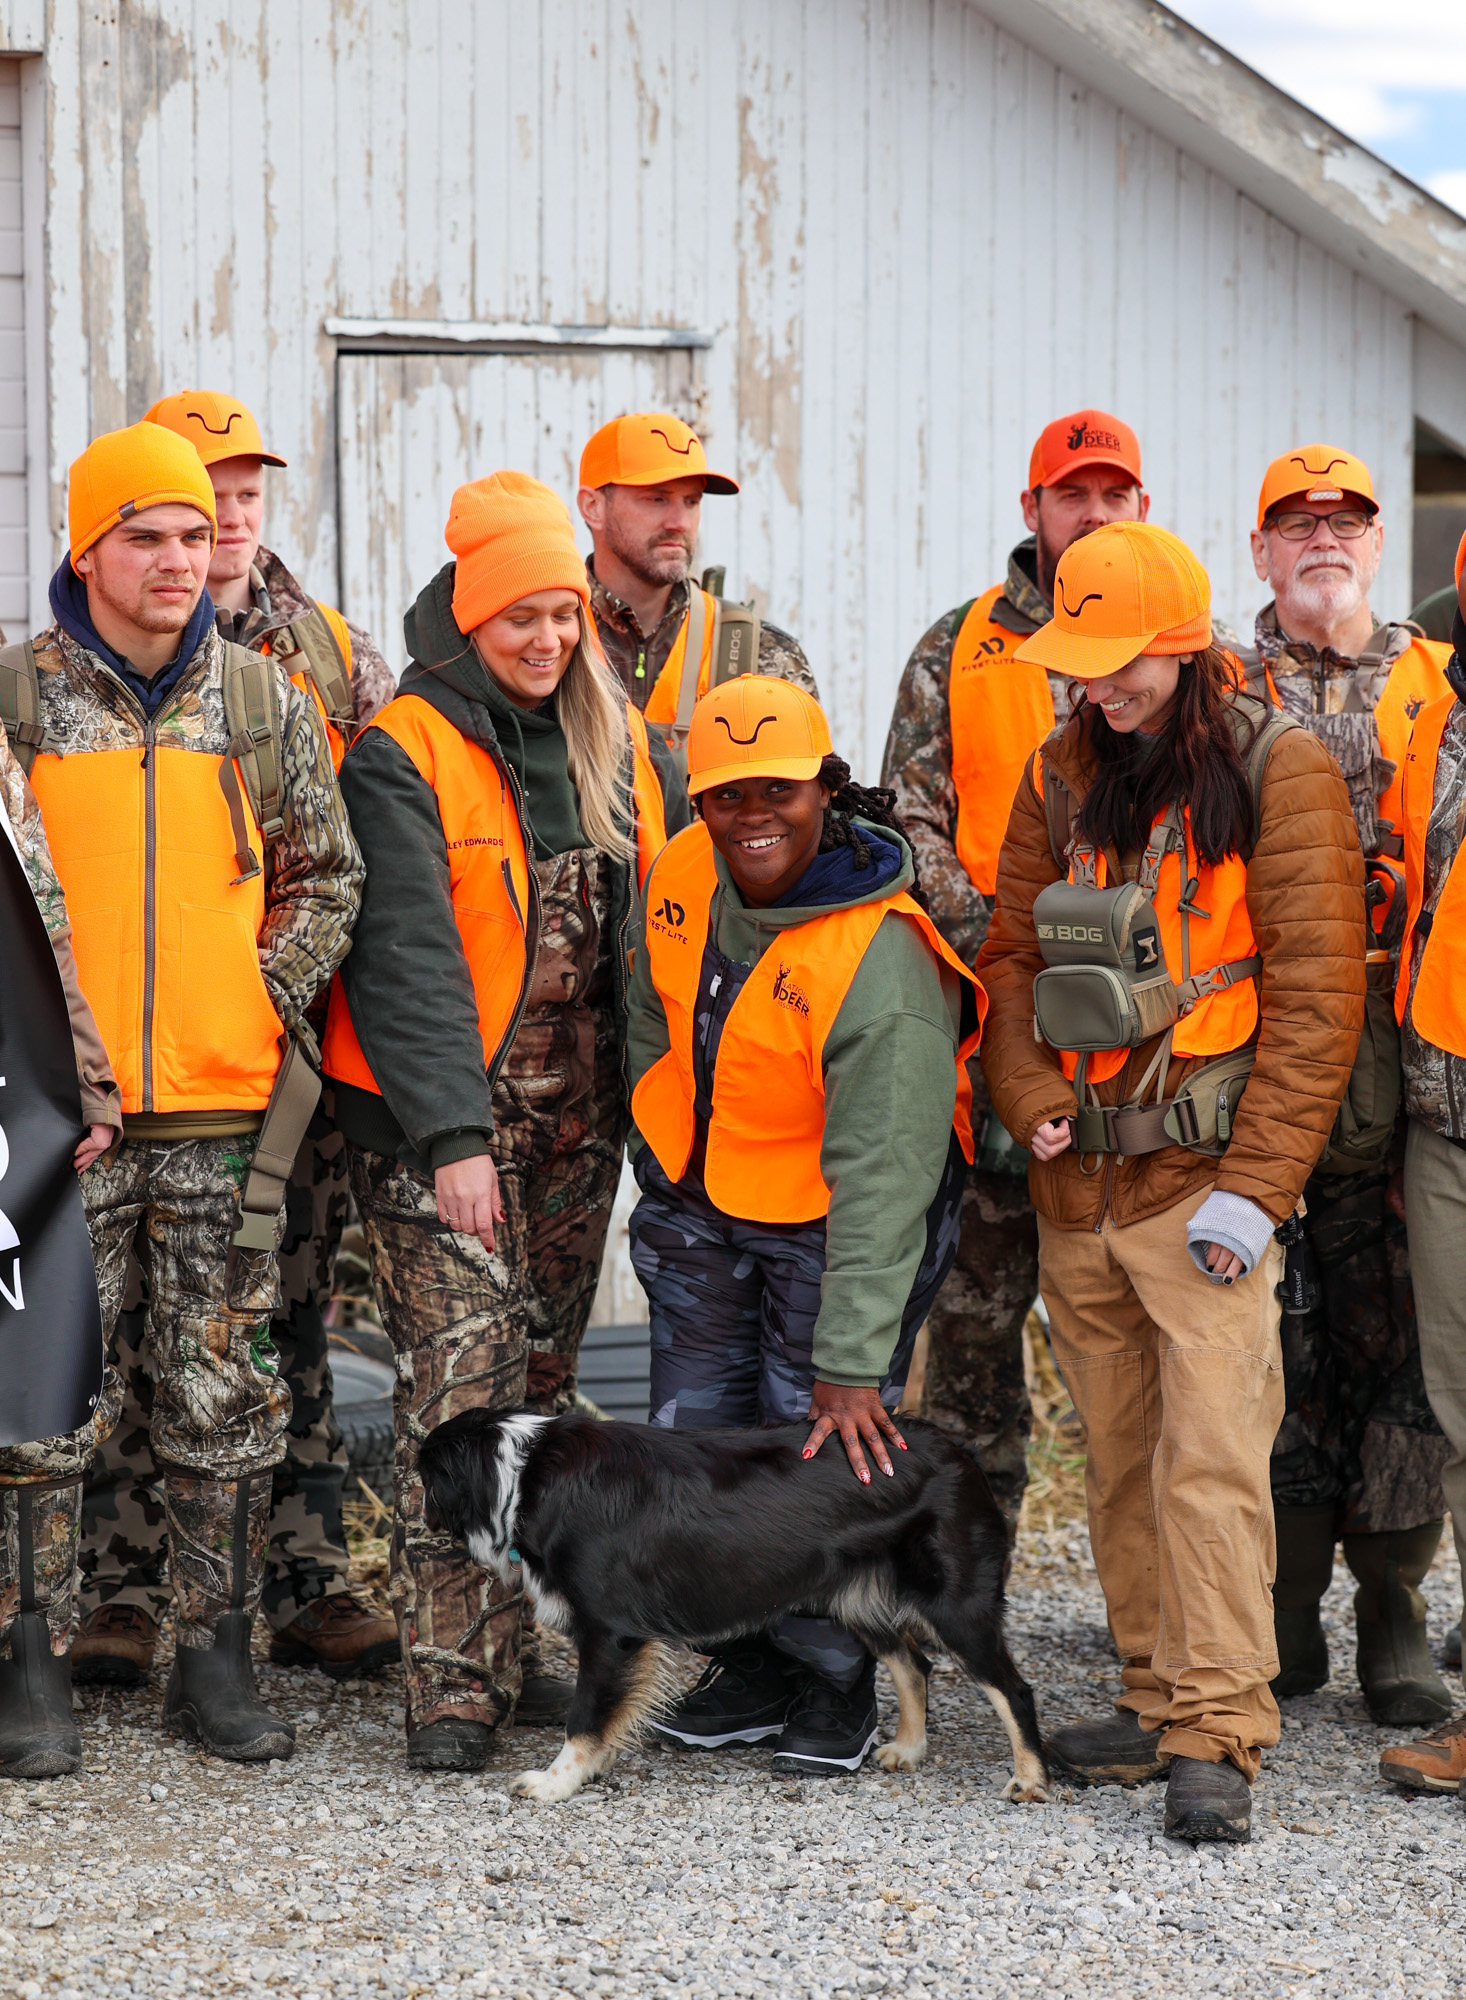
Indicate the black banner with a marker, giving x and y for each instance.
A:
(50, 1321)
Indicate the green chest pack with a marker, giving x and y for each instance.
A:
(1105, 982)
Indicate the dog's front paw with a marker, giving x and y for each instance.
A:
(901, 1756)
(1034, 1793)
(547, 1788)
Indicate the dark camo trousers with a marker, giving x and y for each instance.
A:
(975, 1387)
(123, 1546)
(733, 1307)
(1359, 1432)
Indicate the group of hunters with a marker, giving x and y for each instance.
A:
(1139, 987)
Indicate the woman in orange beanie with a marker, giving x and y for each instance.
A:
(509, 802)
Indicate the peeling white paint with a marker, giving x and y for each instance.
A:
(1379, 192)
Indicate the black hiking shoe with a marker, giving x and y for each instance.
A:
(1113, 1751)
(743, 1697)
(1451, 1648)
(38, 1733)
(1207, 1802)
(450, 1744)
(544, 1701)
(212, 1699)
(829, 1729)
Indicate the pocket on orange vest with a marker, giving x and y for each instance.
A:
(96, 944)
(228, 1031)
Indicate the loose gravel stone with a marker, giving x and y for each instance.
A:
(156, 1871)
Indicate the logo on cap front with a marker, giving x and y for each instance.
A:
(1083, 437)
(1089, 597)
(682, 450)
(198, 417)
(743, 742)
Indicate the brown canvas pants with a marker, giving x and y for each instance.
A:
(1180, 1385)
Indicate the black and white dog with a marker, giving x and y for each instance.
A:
(633, 1540)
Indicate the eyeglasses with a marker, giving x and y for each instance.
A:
(1348, 524)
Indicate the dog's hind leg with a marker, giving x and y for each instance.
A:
(620, 1683)
(910, 1670)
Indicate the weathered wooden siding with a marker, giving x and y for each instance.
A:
(914, 239)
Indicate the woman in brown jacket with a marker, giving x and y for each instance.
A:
(1236, 961)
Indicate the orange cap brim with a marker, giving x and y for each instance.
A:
(776, 767)
(1079, 658)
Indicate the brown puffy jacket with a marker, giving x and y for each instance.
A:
(1305, 896)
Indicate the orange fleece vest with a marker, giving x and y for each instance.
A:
(166, 939)
(1220, 1021)
(1439, 1007)
(1416, 680)
(1001, 710)
(661, 703)
(768, 1116)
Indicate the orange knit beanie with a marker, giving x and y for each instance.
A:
(512, 536)
(121, 472)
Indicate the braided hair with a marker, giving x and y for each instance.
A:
(872, 803)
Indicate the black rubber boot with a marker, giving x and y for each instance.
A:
(1305, 1570)
(1393, 1660)
(211, 1696)
(1113, 1751)
(1207, 1801)
(38, 1733)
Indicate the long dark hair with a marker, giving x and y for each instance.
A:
(1197, 762)
(874, 804)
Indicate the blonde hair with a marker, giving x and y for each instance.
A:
(592, 714)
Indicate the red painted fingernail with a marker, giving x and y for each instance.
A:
(901, 1444)
(807, 1454)
(865, 1479)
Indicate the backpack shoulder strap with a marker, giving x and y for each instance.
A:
(255, 750)
(20, 703)
(326, 653)
(1061, 809)
(1269, 724)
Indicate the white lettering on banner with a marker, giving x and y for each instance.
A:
(14, 1298)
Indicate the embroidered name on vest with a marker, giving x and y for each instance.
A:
(787, 995)
(476, 840)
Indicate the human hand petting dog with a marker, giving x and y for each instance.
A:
(860, 1417)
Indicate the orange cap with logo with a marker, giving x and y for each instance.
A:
(755, 727)
(1315, 472)
(645, 450)
(1129, 588)
(1088, 437)
(216, 426)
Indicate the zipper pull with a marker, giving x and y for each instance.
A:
(716, 982)
(147, 749)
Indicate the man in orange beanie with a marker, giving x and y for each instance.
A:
(642, 481)
(212, 882)
(315, 1617)
(966, 720)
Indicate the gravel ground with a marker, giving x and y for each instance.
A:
(155, 1872)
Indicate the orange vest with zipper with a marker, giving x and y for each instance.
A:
(768, 1116)
(166, 939)
(1221, 1021)
(1001, 710)
(661, 705)
(488, 870)
(1438, 1010)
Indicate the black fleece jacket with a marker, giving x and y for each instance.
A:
(408, 985)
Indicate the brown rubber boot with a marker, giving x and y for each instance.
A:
(114, 1647)
(342, 1636)
(1395, 1668)
(1305, 1570)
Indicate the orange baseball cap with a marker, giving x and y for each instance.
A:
(1088, 437)
(645, 449)
(1315, 472)
(755, 727)
(1129, 588)
(216, 426)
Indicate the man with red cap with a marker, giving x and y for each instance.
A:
(967, 718)
(1358, 1456)
(642, 481)
(212, 883)
(314, 1616)
(1432, 1014)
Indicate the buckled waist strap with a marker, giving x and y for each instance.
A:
(1128, 1129)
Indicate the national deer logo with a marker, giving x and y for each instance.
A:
(787, 995)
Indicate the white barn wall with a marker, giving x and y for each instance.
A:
(915, 239)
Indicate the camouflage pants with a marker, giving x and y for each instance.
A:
(48, 1517)
(1359, 1432)
(217, 1530)
(122, 1541)
(733, 1307)
(975, 1388)
(476, 1329)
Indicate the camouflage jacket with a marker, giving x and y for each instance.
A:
(637, 657)
(1435, 1080)
(278, 600)
(101, 1099)
(315, 876)
(917, 765)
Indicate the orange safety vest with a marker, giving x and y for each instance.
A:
(768, 1115)
(661, 705)
(165, 934)
(1416, 680)
(488, 871)
(305, 681)
(1220, 1021)
(1439, 1007)
(1001, 709)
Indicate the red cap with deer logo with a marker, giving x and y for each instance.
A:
(1088, 437)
